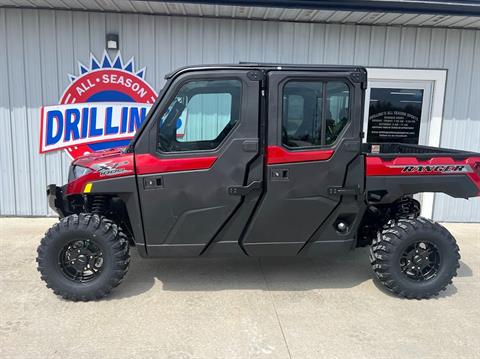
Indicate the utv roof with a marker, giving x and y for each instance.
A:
(267, 66)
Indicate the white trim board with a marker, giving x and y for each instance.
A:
(438, 79)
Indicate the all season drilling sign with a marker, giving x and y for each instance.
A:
(100, 109)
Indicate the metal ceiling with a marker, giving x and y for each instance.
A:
(254, 12)
(462, 7)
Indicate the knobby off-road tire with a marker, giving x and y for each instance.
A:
(415, 258)
(78, 242)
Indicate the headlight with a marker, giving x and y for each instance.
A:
(79, 171)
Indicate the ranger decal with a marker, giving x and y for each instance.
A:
(435, 168)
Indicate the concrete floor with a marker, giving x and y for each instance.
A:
(224, 308)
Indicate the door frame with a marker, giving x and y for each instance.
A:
(438, 78)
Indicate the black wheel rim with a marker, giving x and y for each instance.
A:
(81, 260)
(420, 261)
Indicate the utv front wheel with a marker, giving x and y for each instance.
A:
(415, 258)
(83, 257)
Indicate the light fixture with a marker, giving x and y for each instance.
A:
(112, 42)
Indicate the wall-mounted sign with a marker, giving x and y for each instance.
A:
(394, 115)
(101, 108)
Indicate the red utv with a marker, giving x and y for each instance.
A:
(255, 160)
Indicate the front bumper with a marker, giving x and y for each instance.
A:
(56, 200)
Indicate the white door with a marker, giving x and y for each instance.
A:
(405, 105)
(398, 111)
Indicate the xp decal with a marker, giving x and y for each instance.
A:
(101, 108)
(111, 169)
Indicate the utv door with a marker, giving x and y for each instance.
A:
(314, 170)
(199, 171)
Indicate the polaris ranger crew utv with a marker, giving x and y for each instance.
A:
(255, 160)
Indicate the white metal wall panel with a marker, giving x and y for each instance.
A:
(461, 127)
(38, 48)
(7, 193)
(33, 92)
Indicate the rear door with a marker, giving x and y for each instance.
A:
(314, 170)
(203, 145)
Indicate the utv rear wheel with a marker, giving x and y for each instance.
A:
(83, 257)
(415, 258)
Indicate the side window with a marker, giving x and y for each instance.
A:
(314, 112)
(338, 96)
(200, 116)
(302, 113)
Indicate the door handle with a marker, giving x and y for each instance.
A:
(244, 190)
(250, 145)
(280, 174)
(152, 182)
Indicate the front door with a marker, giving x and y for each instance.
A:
(314, 170)
(203, 146)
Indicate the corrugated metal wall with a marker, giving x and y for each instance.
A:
(39, 48)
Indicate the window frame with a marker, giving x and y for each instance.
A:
(173, 95)
(324, 80)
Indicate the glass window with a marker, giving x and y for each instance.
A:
(200, 116)
(337, 110)
(314, 112)
(394, 115)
